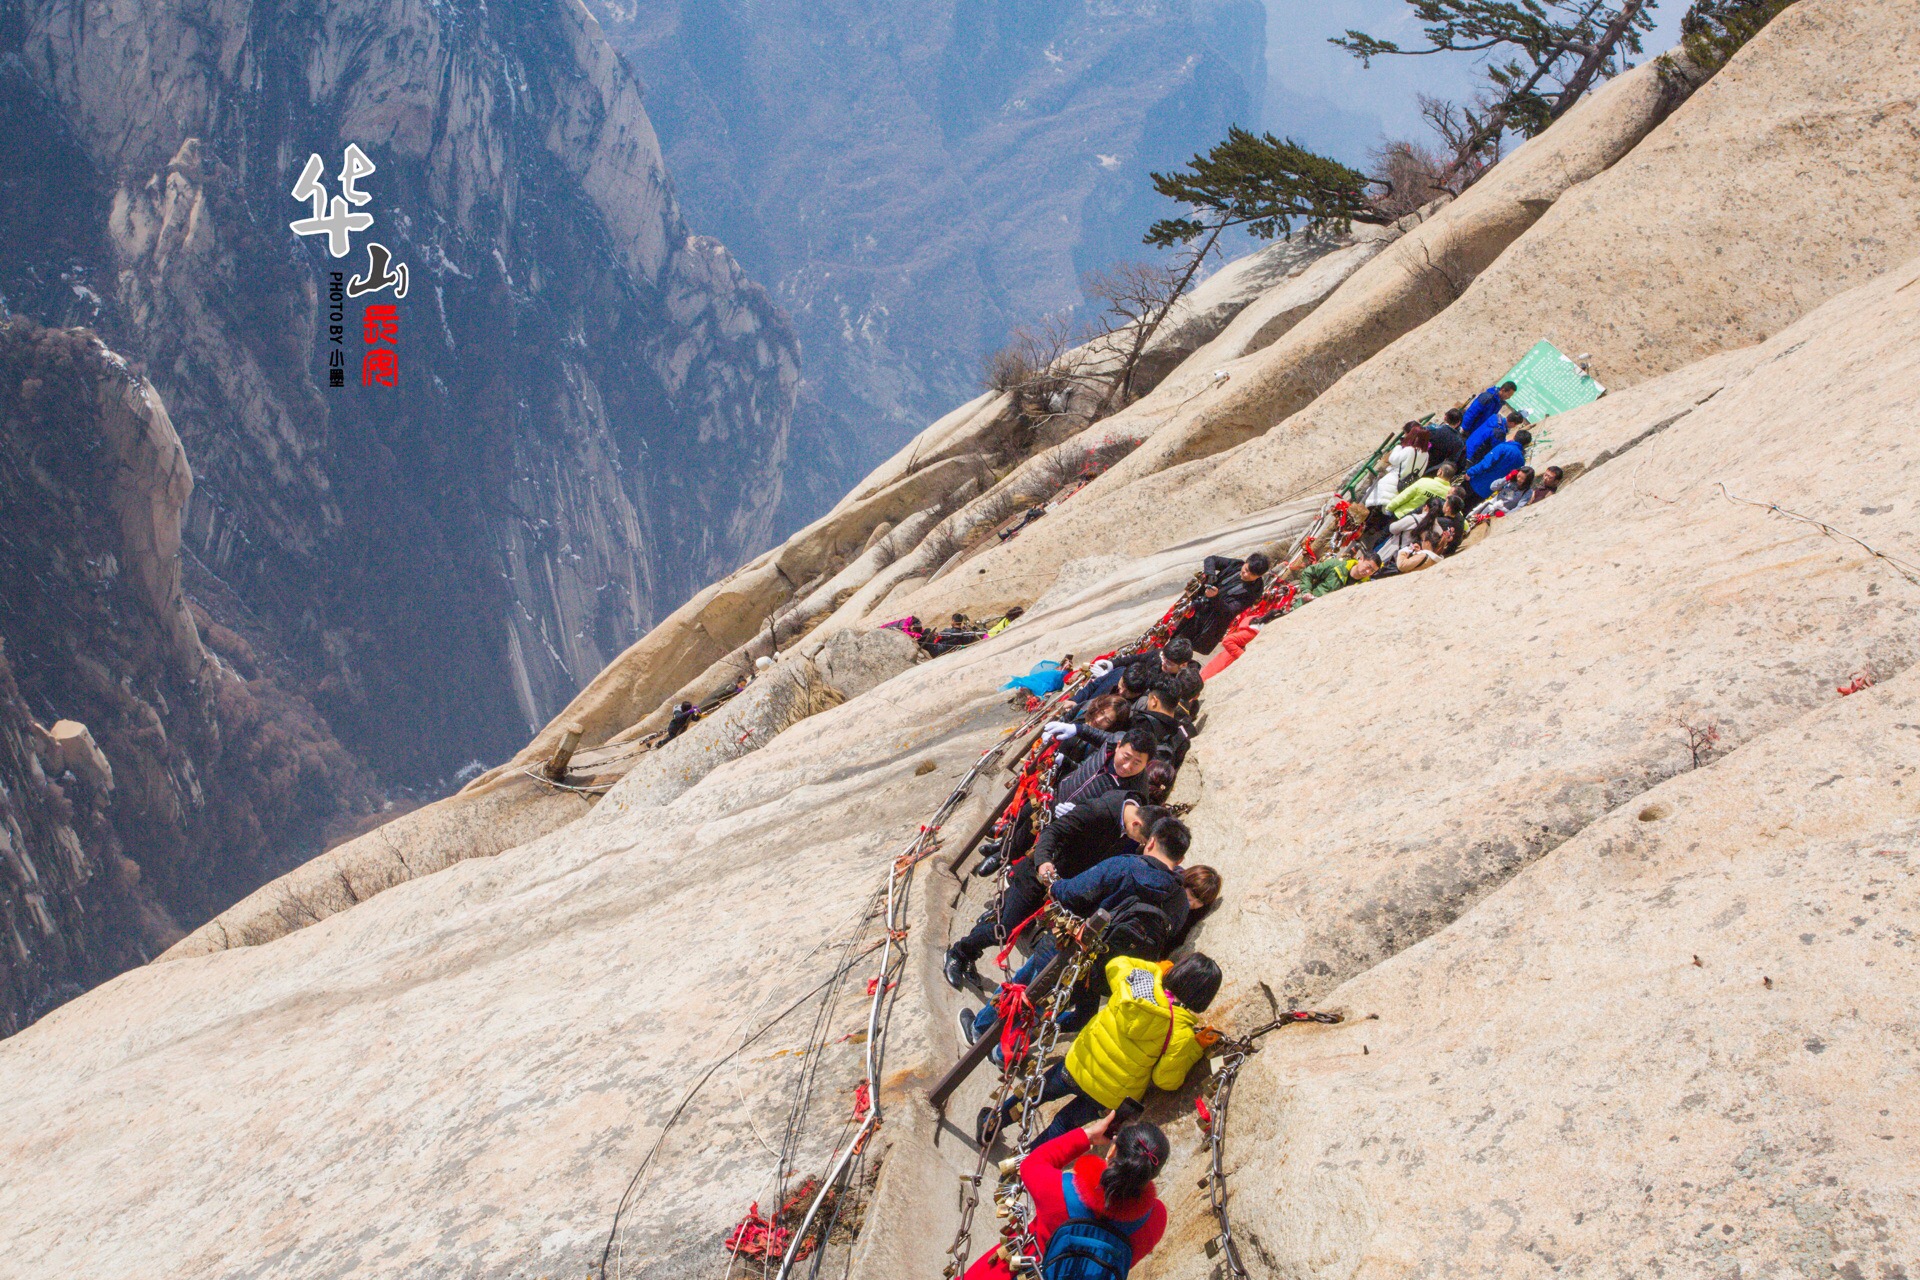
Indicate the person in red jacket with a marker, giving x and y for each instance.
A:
(1118, 1188)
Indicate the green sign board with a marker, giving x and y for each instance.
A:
(1550, 383)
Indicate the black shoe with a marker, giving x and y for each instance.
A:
(967, 1032)
(959, 970)
(988, 865)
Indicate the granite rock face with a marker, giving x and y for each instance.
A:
(593, 401)
(147, 778)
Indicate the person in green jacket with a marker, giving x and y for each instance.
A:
(1423, 491)
(1331, 575)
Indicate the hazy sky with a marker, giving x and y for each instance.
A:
(1322, 97)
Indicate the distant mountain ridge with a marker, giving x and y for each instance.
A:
(912, 180)
(590, 417)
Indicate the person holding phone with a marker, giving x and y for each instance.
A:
(1093, 1198)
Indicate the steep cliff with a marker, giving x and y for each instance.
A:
(1612, 883)
(592, 403)
(914, 179)
(146, 780)
(592, 406)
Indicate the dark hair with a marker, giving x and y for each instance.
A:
(1451, 500)
(959, 619)
(1523, 439)
(1162, 689)
(1509, 386)
(1203, 883)
(1179, 650)
(1194, 981)
(1188, 685)
(1150, 811)
(1454, 416)
(1416, 435)
(1158, 777)
(1550, 478)
(1257, 563)
(1447, 471)
(1366, 553)
(1138, 1152)
(1015, 612)
(1526, 478)
(1118, 710)
(1138, 676)
(1173, 838)
(1141, 739)
(1518, 419)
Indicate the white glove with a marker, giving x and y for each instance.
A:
(1100, 668)
(1058, 731)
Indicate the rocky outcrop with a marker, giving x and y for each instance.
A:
(591, 413)
(147, 780)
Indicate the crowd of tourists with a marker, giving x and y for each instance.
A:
(1108, 843)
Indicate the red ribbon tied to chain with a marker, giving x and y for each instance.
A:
(1016, 1017)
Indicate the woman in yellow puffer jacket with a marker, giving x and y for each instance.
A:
(1144, 1036)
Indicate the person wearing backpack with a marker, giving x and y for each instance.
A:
(1144, 1037)
(1093, 1218)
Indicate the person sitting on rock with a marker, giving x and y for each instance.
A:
(1331, 575)
(1188, 685)
(683, 715)
(1069, 1184)
(1109, 713)
(1550, 481)
(1161, 714)
(1423, 491)
(1509, 494)
(1115, 767)
(1426, 553)
(1230, 586)
(1143, 1038)
(1108, 826)
(1485, 407)
(1128, 678)
(1007, 619)
(1405, 464)
(1176, 656)
(1491, 433)
(1446, 444)
(1203, 894)
(1508, 455)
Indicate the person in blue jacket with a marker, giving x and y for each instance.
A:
(1485, 407)
(1508, 455)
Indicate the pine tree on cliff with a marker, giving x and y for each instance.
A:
(1256, 181)
(1714, 30)
(1545, 56)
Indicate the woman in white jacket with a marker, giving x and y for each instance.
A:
(1405, 464)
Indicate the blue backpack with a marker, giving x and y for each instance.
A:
(1087, 1246)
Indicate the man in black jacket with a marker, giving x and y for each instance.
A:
(1446, 443)
(1231, 585)
(1090, 833)
(1159, 714)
